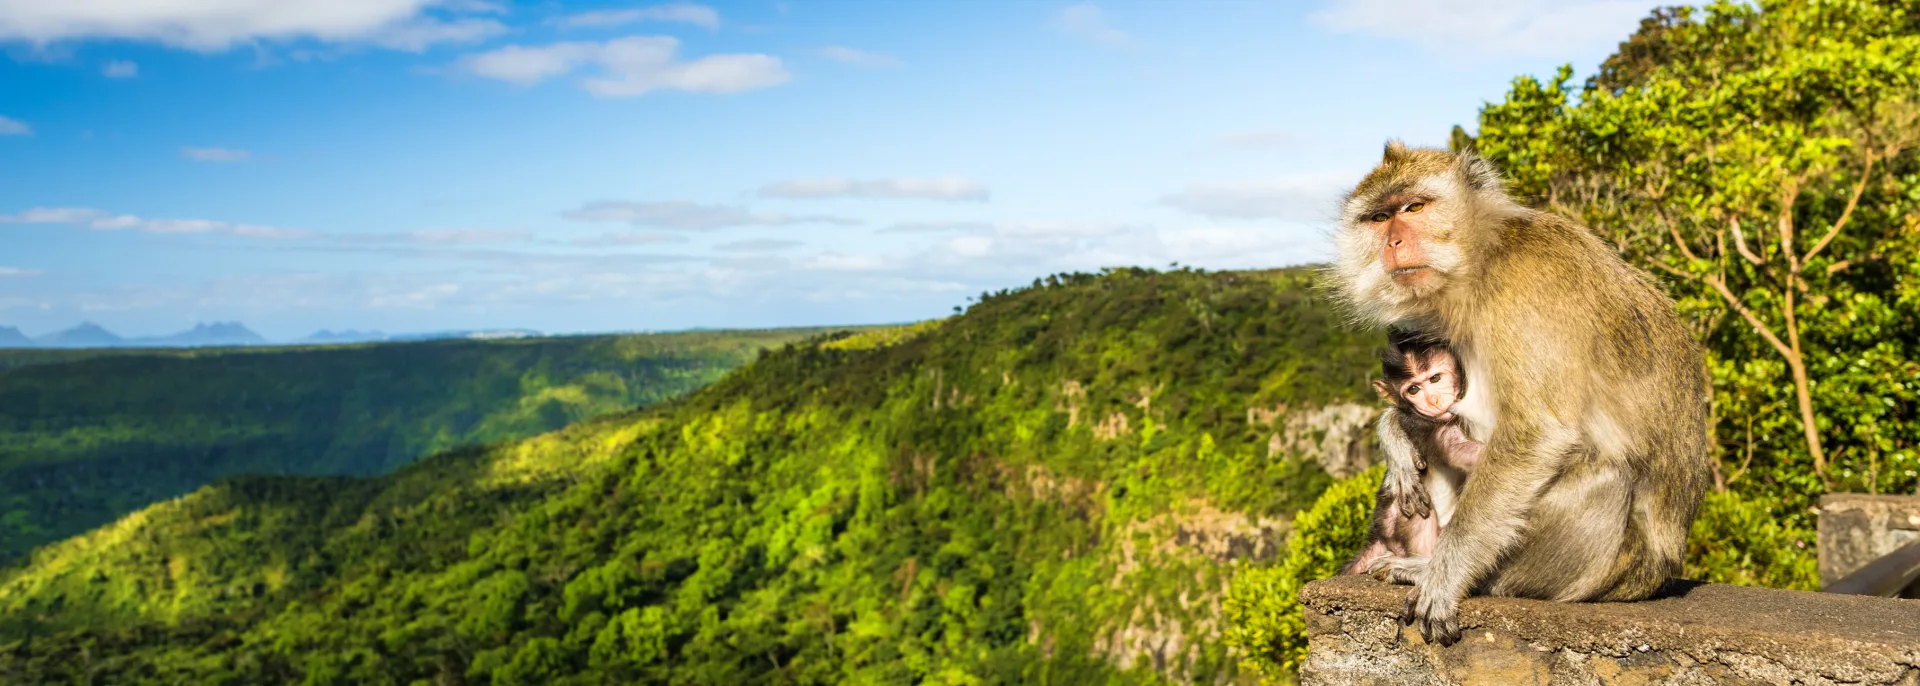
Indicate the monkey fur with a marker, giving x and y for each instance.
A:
(1588, 392)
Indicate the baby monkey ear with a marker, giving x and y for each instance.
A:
(1386, 392)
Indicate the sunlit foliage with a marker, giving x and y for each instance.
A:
(89, 435)
(1050, 488)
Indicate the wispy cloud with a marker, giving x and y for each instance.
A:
(14, 127)
(1488, 27)
(937, 227)
(627, 238)
(684, 215)
(120, 69)
(855, 57)
(1086, 21)
(698, 15)
(444, 237)
(758, 245)
(19, 271)
(101, 220)
(215, 154)
(931, 189)
(421, 34)
(628, 67)
(217, 25)
(1297, 197)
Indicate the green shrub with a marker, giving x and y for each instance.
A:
(1744, 541)
(1266, 627)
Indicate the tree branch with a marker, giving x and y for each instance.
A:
(1758, 326)
(1740, 242)
(1845, 214)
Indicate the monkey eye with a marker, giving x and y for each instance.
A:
(1435, 379)
(1379, 217)
(1413, 390)
(1414, 207)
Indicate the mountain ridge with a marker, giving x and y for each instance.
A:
(1052, 486)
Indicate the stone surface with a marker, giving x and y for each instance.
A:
(1856, 529)
(1693, 633)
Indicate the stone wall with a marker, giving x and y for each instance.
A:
(1694, 633)
(1856, 529)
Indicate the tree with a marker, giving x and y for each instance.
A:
(1760, 159)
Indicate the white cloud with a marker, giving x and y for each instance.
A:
(1545, 28)
(758, 245)
(418, 35)
(620, 238)
(19, 271)
(215, 154)
(932, 189)
(937, 227)
(678, 214)
(858, 57)
(1296, 197)
(628, 67)
(106, 221)
(14, 127)
(1087, 21)
(698, 15)
(443, 236)
(120, 69)
(1260, 139)
(217, 25)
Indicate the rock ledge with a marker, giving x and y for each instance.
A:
(1692, 633)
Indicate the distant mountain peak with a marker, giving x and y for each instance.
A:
(12, 338)
(209, 334)
(84, 335)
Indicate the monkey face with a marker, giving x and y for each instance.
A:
(1434, 387)
(1401, 232)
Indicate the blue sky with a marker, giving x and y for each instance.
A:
(407, 165)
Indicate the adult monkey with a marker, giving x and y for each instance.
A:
(1587, 390)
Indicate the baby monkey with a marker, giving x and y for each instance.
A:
(1428, 452)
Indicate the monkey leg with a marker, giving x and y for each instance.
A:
(1384, 537)
(1369, 556)
(1581, 540)
(1400, 569)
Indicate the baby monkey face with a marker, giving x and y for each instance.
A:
(1434, 387)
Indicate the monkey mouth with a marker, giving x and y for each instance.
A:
(1411, 276)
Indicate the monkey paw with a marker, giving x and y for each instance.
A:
(1436, 615)
(1410, 491)
(1396, 569)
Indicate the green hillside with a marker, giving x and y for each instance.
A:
(88, 436)
(1051, 488)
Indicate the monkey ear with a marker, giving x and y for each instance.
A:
(1386, 393)
(1478, 172)
(1395, 150)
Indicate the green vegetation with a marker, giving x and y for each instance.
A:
(1265, 624)
(88, 436)
(1051, 488)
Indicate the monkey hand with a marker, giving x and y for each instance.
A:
(1410, 490)
(1435, 612)
(1395, 569)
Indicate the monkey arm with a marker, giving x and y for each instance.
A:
(1404, 467)
(1514, 467)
